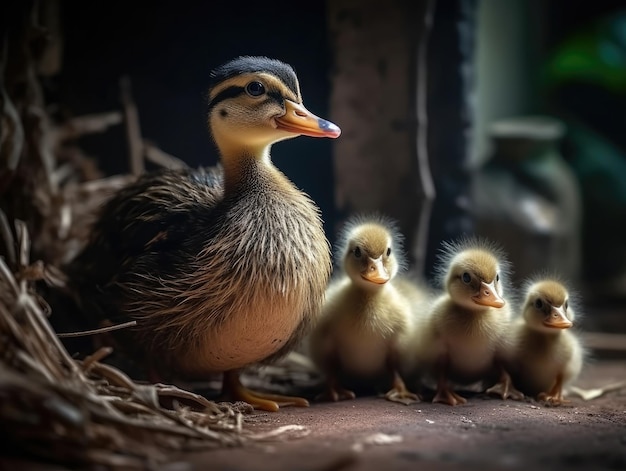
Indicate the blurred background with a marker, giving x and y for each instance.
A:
(502, 119)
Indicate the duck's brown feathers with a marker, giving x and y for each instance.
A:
(214, 282)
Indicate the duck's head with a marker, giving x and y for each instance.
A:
(472, 273)
(370, 251)
(256, 101)
(547, 306)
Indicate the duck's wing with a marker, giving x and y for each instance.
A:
(150, 214)
(147, 224)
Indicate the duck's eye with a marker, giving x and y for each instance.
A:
(538, 304)
(565, 304)
(255, 89)
(388, 251)
(357, 252)
(466, 278)
(497, 277)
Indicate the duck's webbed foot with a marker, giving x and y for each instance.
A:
(233, 390)
(334, 392)
(550, 400)
(400, 393)
(445, 395)
(405, 396)
(505, 389)
(554, 397)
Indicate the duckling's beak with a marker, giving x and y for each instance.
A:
(488, 296)
(557, 319)
(375, 272)
(298, 120)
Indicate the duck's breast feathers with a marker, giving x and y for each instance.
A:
(276, 235)
(272, 236)
(538, 358)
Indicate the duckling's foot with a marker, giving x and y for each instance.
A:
(505, 389)
(447, 396)
(400, 393)
(555, 396)
(233, 390)
(551, 400)
(335, 393)
(405, 397)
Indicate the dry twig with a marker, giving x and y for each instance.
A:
(101, 330)
(162, 158)
(133, 129)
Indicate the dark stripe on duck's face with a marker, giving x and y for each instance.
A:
(230, 92)
(278, 98)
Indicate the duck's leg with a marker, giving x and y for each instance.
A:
(233, 390)
(504, 388)
(398, 392)
(334, 391)
(554, 397)
(444, 393)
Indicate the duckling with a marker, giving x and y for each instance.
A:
(369, 310)
(463, 339)
(221, 267)
(545, 355)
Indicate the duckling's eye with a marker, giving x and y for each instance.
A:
(255, 89)
(466, 278)
(565, 306)
(388, 251)
(538, 304)
(357, 252)
(497, 277)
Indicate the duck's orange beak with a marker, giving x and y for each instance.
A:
(376, 272)
(557, 319)
(298, 120)
(488, 296)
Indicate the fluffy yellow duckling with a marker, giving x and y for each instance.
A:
(369, 310)
(464, 336)
(545, 355)
(221, 268)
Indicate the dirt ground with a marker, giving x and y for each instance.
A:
(486, 433)
(370, 433)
